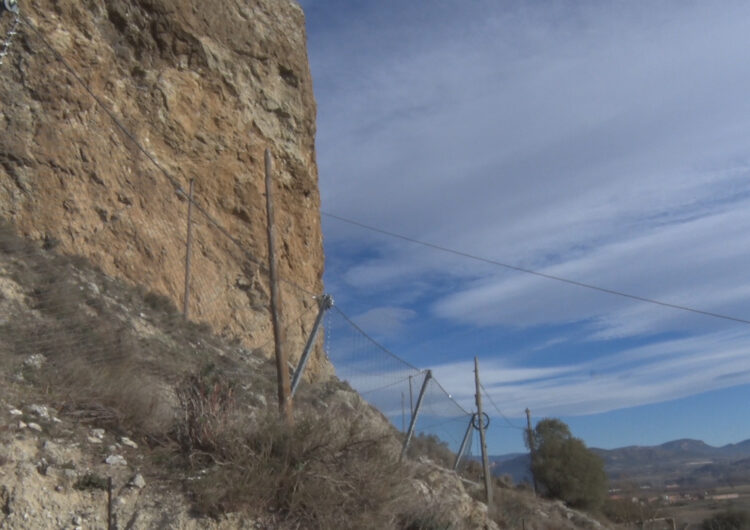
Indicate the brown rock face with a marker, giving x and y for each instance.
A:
(204, 87)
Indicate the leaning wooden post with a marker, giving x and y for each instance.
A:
(188, 246)
(110, 521)
(482, 439)
(282, 371)
(530, 435)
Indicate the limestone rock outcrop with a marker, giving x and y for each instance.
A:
(205, 88)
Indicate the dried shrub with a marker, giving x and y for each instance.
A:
(91, 481)
(159, 302)
(728, 520)
(425, 517)
(324, 471)
(432, 447)
(10, 242)
(209, 413)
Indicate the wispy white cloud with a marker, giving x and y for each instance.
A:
(660, 371)
(604, 142)
(385, 322)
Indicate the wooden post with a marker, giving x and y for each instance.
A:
(403, 413)
(188, 246)
(482, 439)
(110, 525)
(530, 435)
(411, 397)
(282, 371)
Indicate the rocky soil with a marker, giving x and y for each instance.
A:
(205, 88)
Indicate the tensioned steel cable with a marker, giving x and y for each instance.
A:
(449, 396)
(389, 385)
(487, 394)
(533, 272)
(372, 340)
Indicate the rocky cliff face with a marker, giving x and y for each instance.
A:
(204, 88)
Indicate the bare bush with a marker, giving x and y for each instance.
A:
(321, 470)
(432, 447)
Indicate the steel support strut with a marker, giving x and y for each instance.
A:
(465, 441)
(325, 302)
(413, 423)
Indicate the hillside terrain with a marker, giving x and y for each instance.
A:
(681, 462)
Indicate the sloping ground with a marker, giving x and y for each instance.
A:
(101, 380)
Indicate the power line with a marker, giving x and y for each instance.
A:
(533, 272)
(173, 181)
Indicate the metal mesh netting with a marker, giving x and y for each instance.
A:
(393, 385)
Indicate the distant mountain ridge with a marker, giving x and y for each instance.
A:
(684, 461)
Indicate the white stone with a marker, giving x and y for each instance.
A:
(99, 433)
(116, 460)
(137, 481)
(93, 440)
(127, 441)
(35, 361)
(15, 412)
(39, 410)
(35, 427)
(21, 425)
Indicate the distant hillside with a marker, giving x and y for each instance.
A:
(682, 461)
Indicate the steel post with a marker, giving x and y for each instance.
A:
(465, 441)
(325, 302)
(413, 422)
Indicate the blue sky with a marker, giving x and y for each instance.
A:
(605, 142)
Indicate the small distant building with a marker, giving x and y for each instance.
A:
(725, 496)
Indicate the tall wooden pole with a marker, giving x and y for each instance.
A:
(403, 413)
(188, 247)
(482, 438)
(530, 435)
(282, 370)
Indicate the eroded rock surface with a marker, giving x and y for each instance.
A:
(205, 88)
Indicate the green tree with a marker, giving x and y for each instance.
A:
(563, 466)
